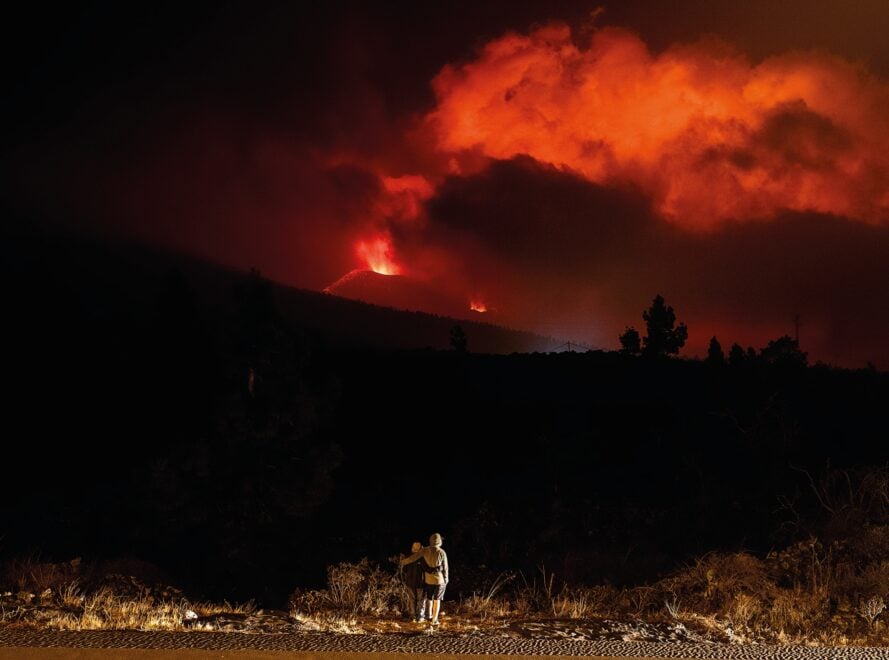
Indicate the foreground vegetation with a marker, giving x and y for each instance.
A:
(810, 594)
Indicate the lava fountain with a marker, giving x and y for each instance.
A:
(377, 254)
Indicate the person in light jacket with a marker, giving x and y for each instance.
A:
(434, 561)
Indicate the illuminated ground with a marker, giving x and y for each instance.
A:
(52, 644)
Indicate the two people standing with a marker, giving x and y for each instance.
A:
(431, 563)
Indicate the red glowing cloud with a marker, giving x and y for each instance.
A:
(404, 196)
(709, 136)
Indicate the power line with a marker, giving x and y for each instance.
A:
(568, 346)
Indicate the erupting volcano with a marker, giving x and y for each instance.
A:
(570, 168)
(382, 283)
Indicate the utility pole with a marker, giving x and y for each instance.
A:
(796, 325)
(572, 347)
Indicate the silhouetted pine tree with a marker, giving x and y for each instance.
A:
(630, 342)
(663, 336)
(715, 356)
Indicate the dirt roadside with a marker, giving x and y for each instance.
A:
(196, 654)
(32, 644)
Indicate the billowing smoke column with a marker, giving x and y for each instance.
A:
(706, 134)
(398, 203)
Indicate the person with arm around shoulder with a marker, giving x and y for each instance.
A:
(437, 576)
(434, 561)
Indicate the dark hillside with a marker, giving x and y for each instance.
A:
(242, 437)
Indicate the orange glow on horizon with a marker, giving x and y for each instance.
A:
(378, 255)
(478, 306)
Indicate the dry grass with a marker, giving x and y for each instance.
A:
(104, 610)
(584, 602)
(540, 596)
(810, 593)
(61, 602)
(486, 603)
(482, 608)
(537, 593)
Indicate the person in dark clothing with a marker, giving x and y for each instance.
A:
(414, 579)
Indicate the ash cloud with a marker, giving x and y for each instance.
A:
(540, 218)
(805, 130)
(801, 137)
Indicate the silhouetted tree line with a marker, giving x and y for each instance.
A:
(664, 337)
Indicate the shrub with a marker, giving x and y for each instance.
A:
(359, 588)
(871, 608)
(715, 582)
(34, 576)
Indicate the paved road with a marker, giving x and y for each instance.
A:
(21, 644)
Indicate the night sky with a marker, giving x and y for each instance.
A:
(554, 163)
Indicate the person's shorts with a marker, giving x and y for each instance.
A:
(435, 591)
